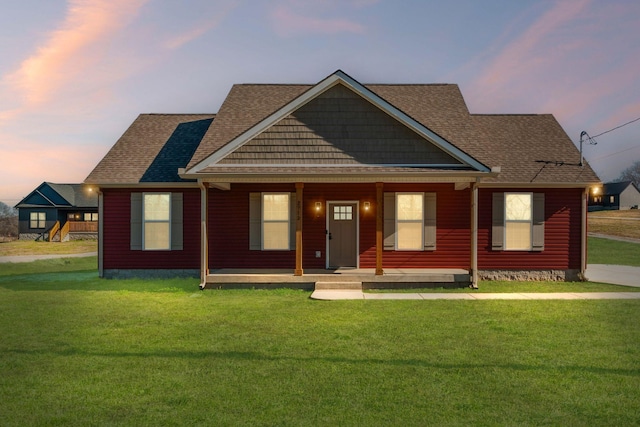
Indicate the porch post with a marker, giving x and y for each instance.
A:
(204, 241)
(474, 236)
(583, 236)
(299, 187)
(379, 224)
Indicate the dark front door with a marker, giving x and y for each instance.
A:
(343, 235)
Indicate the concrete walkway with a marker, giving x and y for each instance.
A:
(30, 258)
(333, 295)
(612, 274)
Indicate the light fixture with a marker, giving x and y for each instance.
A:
(318, 206)
(367, 206)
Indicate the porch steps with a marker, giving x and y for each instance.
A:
(335, 286)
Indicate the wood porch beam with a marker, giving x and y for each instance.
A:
(379, 224)
(299, 212)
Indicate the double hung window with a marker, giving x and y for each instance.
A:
(275, 221)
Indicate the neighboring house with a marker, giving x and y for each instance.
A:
(58, 212)
(344, 175)
(615, 196)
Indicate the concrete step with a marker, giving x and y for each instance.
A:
(339, 285)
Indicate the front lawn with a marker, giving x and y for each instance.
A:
(31, 247)
(162, 353)
(606, 251)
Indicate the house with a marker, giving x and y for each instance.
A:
(337, 175)
(59, 212)
(615, 196)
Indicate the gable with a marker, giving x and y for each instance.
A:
(339, 127)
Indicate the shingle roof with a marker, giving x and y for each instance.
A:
(60, 195)
(527, 148)
(615, 188)
(152, 149)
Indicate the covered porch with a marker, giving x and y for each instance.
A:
(341, 278)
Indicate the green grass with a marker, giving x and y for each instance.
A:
(30, 247)
(605, 251)
(78, 350)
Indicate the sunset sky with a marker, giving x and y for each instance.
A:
(74, 74)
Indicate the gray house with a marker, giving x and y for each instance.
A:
(615, 196)
(58, 212)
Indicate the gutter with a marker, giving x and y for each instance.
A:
(204, 242)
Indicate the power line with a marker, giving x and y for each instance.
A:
(617, 127)
(617, 152)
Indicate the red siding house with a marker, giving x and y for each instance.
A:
(339, 175)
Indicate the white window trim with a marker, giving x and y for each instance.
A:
(145, 221)
(262, 220)
(397, 234)
(530, 222)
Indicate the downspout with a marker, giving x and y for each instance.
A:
(583, 237)
(204, 243)
(474, 235)
(100, 233)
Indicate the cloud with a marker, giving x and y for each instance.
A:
(202, 28)
(529, 56)
(70, 50)
(286, 23)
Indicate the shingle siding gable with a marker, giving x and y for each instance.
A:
(339, 127)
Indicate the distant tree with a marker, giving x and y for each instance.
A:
(632, 173)
(8, 221)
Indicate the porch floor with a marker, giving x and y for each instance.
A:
(392, 278)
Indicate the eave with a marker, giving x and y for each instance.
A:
(339, 77)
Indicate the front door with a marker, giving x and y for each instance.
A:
(343, 234)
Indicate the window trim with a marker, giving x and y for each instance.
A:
(398, 220)
(41, 222)
(167, 221)
(263, 221)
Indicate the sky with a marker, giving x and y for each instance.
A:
(74, 74)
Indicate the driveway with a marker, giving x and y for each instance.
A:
(614, 274)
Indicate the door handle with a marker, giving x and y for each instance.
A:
(330, 237)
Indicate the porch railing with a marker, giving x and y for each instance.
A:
(54, 230)
(64, 231)
(83, 226)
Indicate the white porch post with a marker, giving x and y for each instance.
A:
(583, 237)
(204, 242)
(474, 236)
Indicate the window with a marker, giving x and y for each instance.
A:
(89, 216)
(271, 221)
(409, 221)
(37, 219)
(156, 221)
(275, 221)
(612, 199)
(343, 213)
(518, 221)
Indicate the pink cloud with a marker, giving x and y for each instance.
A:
(68, 51)
(525, 59)
(289, 23)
